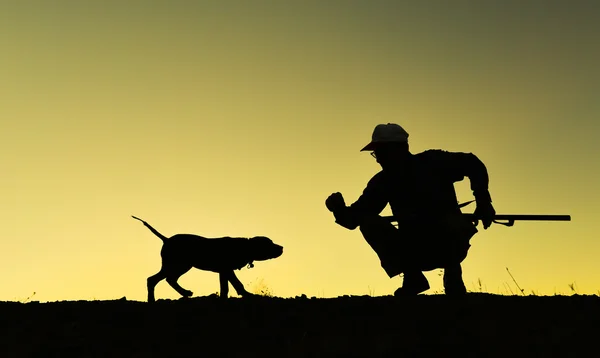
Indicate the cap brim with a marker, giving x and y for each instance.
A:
(369, 147)
(373, 145)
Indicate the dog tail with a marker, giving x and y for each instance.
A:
(161, 236)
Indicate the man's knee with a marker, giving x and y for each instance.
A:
(383, 238)
(376, 226)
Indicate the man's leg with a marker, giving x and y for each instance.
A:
(457, 239)
(385, 240)
(453, 282)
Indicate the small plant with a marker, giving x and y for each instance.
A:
(515, 281)
(260, 288)
(28, 298)
(479, 286)
(507, 286)
(573, 287)
(371, 291)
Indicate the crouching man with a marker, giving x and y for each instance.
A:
(432, 233)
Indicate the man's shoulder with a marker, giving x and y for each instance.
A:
(377, 179)
(378, 176)
(440, 154)
(441, 158)
(432, 154)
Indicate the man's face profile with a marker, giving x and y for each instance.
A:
(390, 153)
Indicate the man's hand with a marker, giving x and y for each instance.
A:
(485, 212)
(335, 202)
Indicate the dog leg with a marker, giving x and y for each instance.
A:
(151, 283)
(237, 285)
(173, 276)
(224, 284)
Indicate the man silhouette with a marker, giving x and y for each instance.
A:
(432, 233)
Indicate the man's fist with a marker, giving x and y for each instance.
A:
(485, 212)
(335, 202)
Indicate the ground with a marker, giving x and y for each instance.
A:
(478, 325)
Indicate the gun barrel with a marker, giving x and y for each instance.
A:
(529, 217)
(513, 217)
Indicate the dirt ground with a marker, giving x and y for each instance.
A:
(478, 325)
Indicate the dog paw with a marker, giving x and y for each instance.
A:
(188, 293)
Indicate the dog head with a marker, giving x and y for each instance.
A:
(262, 248)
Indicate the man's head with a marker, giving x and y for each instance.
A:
(389, 144)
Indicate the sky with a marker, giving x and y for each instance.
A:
(239, 118)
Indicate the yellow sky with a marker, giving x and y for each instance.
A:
(240, 118)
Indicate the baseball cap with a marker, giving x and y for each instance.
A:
(386, 133)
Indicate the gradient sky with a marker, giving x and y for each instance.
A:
(240, 118)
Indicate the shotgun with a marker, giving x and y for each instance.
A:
(508, 218)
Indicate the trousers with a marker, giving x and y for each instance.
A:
(418, 246)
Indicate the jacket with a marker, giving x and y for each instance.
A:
(422, 190)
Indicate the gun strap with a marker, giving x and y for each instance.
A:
(508, 223)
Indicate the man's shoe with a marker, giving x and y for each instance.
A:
(409, 291)
(455, 290)
(413, 286)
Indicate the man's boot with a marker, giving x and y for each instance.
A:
(414, 283)
(453, 282)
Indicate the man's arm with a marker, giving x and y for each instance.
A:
(371, 202)
(458, 165)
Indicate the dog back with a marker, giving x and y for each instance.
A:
(210, 254)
